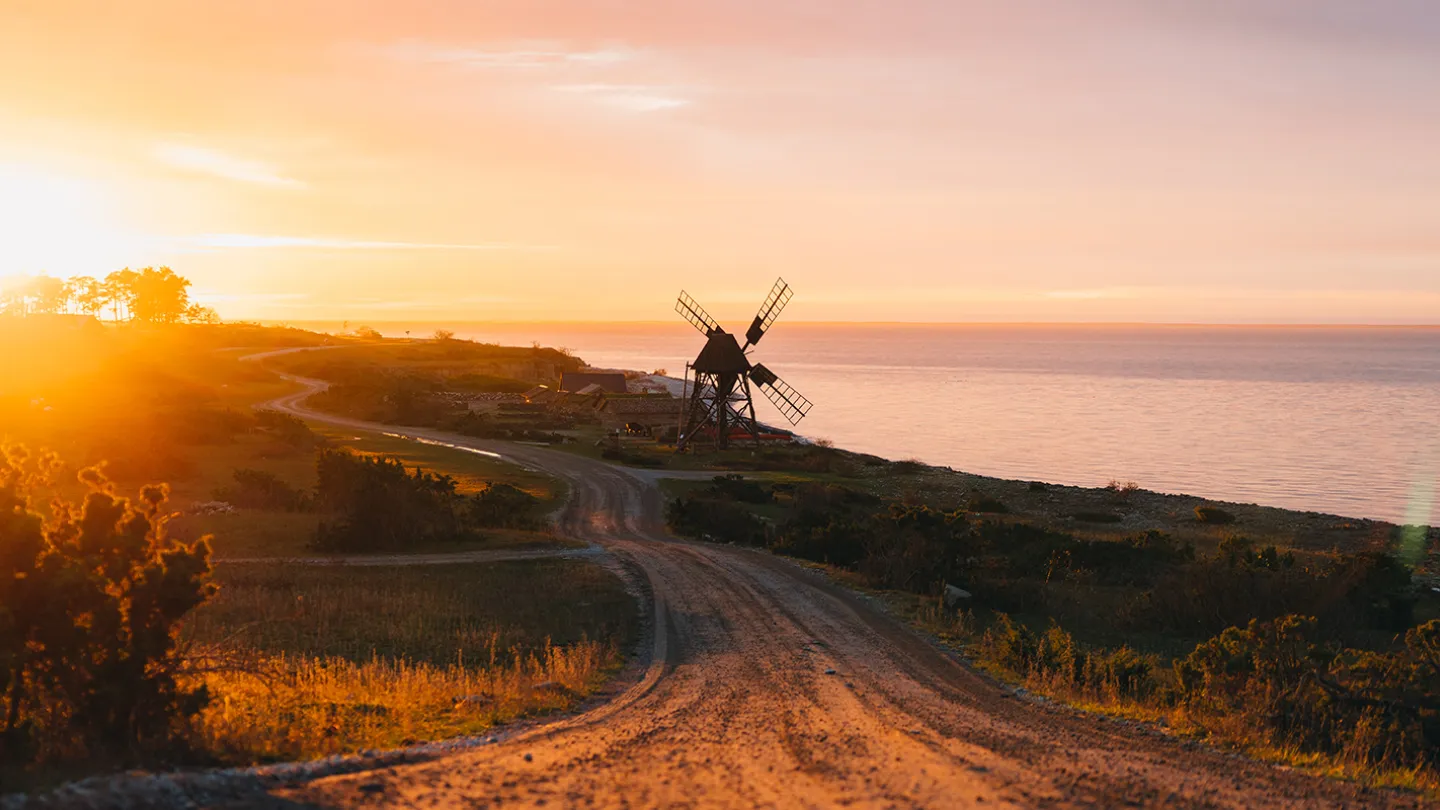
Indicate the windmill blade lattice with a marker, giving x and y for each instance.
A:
(791, 403)
(770, 310)
(691, 311)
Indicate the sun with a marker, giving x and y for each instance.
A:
(56, 225)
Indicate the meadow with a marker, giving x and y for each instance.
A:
(297, 661)
(329, 659)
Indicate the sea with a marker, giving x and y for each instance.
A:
(1341, 420)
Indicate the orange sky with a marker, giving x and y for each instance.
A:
(1135, 160)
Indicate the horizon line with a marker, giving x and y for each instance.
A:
(639, 322)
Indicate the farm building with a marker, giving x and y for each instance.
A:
(639, 414)
(611, 381)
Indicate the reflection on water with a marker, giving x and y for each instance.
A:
(1343, 420)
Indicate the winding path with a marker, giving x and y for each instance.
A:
(767, 686)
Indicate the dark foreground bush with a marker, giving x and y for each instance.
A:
(502, 506)
(1213, 515)
(377, 504)
(1055, 660)
(1378, 709)
(257, 489)
(90, 602)
(286, 428)
(709, 518)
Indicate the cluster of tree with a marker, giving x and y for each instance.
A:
(1149, 582)
(91, 598)
(148, 295)
(374, 503)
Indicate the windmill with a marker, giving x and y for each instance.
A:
(720, 405)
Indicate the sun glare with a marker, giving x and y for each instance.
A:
(55, 225)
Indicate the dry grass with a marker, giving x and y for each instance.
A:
(962, 631)
(339, 659)
(303, 707)
(437, 614)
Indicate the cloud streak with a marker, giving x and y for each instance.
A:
(217, 163)
(631, 97)
(526, 56)
(214, 241)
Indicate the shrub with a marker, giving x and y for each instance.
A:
(286, 428)
(501, 505)
(1056, 661)
(1372, 708)
(380, 505)
(90, 602)
(257, 489)
(1213, 515)
(985, 503)
(734, 487)
(710, 518)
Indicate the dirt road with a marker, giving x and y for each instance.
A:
(769, 687)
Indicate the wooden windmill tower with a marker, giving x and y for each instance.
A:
(720, 405)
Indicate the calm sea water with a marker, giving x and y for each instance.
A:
(1342, 420)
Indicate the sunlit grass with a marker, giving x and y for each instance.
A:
(303, 707)
(471, 471)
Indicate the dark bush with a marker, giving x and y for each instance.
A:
(503, 506)
(1345, 592)
(736, 488)
(90, 602)
(377, 504)
(257, 489)
(987, 504)
(710, 518)
(1057, 659)
(1213, 515)
(1373, 708)
(286, 428)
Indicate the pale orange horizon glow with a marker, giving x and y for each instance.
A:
(1267, 161)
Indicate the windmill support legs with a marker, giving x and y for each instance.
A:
(717, 409)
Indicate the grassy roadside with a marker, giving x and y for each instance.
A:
(335, 660)
(973, 636)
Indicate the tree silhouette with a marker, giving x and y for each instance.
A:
(90, 603)
(158, 295)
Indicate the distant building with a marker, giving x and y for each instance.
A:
(633, 412)
(610, 381)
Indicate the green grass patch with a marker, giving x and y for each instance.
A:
(438, 614)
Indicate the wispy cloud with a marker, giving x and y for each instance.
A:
(211, 241)
(217, 163)
(1093, 294)
(521, 56)
(632, 97)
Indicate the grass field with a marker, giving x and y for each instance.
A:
(326, 660)
(436, 614)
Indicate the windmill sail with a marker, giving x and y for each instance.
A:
(770, 310)
(691, 311)
(792, 404)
